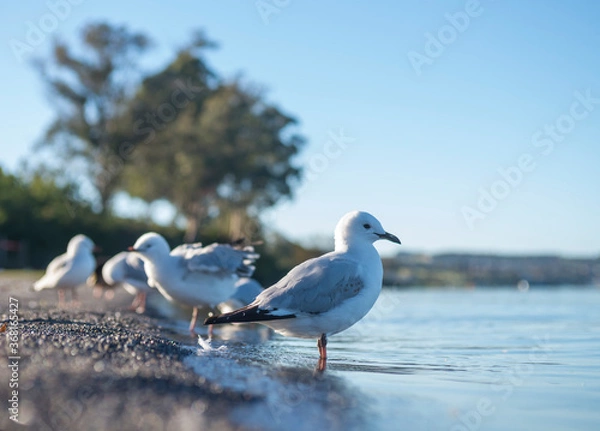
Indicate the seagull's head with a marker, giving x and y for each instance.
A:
(360, 227)
(80, 243)
(151, 245)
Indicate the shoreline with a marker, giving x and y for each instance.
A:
(98, 366)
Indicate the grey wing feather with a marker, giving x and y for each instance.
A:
(59, 263)
(186, 250)
(316, 286)
(221, 259)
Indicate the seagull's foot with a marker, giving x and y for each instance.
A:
(138, 309)
(97, 292)
(109, 294)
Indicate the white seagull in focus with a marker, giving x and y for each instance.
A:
(127, 269)
(192, 274)
(327, 294)
(69, 270)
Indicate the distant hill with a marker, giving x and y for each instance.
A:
(453, 269)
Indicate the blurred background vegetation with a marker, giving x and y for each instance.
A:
(215, 150)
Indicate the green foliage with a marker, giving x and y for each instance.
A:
(211, 148)
(216, 150)
(44, 216)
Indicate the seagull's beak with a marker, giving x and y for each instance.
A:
(131, 249)
(389, 237)
(96, 249)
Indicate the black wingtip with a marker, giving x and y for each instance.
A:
(250, 313)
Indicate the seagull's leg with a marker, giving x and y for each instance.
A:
(74, 298)
(109, 294)
(211, 327)
(322, 345)
(97, 291)
(61, 297)
(135, 304)
(193, 322)
(141, 308)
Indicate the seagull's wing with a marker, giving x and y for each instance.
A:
(56, 269)
(219, 259)
(186, 250)
(60, 264)
(313, 287)
(316, 286)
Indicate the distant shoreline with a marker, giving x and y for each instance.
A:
(455, 269)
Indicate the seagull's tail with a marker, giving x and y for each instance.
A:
(250, 313)
(246, 269)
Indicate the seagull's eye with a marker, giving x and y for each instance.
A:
(367, 226)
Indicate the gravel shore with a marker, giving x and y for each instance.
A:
(95, 368)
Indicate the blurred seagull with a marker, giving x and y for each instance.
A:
(325, 295)
(192, 274)
(69, 270)
(246, 291)
(127, 270)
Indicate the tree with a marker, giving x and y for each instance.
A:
(211, 148)
(89, 92)
(223, 152)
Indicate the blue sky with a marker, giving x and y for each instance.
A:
(423, 144)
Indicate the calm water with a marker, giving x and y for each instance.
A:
(426, 359)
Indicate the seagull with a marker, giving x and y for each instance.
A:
(327, 294)
(127, 269)
(192, 274)
(69, 270)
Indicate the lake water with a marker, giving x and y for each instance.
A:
(425, 359)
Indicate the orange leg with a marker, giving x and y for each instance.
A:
(61, 297)
(75, 298)
(141, 308)
(322, 345)
(193, 322)
(139, 303)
